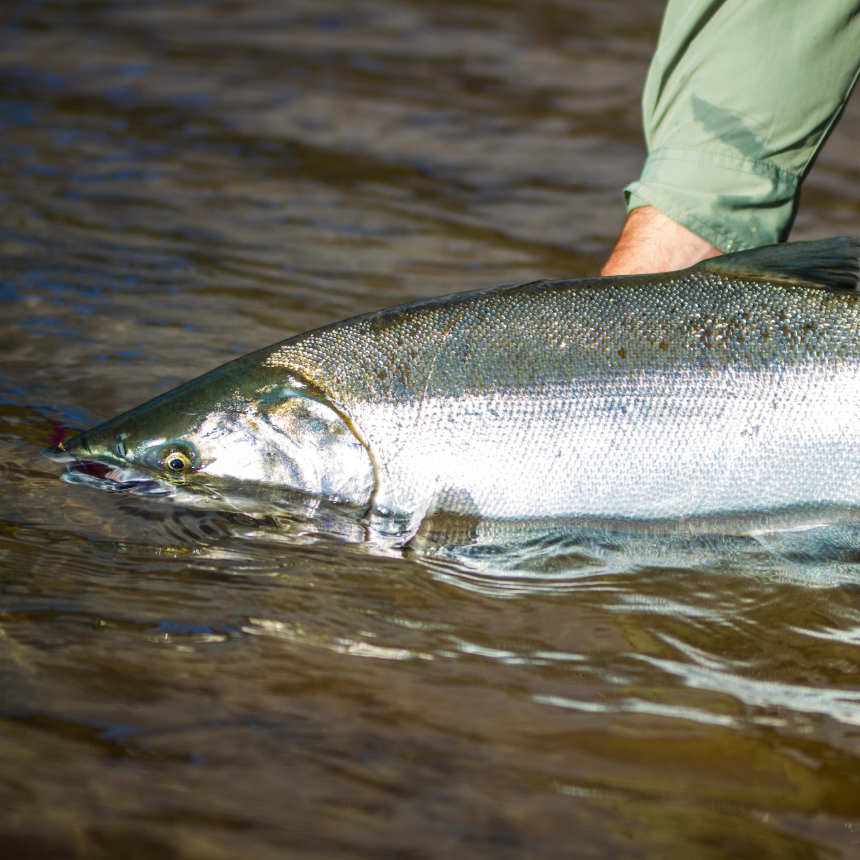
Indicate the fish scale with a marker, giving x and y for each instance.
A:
(661, 396)
(732, 386)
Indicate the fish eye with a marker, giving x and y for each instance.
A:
(177, 458)
(176, 461)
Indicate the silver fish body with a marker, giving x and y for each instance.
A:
(730, 386)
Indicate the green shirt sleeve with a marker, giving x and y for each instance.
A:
(739, 98)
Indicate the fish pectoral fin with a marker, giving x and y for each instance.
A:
(831, 264)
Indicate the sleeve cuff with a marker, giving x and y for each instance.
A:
(733, 203)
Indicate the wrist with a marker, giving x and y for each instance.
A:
(653, 242)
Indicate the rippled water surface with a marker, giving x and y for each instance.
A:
(182, 182)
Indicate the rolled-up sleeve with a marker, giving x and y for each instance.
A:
(739, 98)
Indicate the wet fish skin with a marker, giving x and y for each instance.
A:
(730, 386)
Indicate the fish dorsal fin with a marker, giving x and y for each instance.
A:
(828, 263)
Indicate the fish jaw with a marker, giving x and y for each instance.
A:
(96, 471)
(102, 474)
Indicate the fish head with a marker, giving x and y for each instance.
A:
(225, 435)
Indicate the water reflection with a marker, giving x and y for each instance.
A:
(817, 547)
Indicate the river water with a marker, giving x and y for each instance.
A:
(182, 182)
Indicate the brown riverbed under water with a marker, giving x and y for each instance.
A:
(182, 182)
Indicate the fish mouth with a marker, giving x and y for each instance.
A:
(83, 467)
(108, 476)
(116, 477)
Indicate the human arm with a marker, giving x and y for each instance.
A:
(740, 96)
